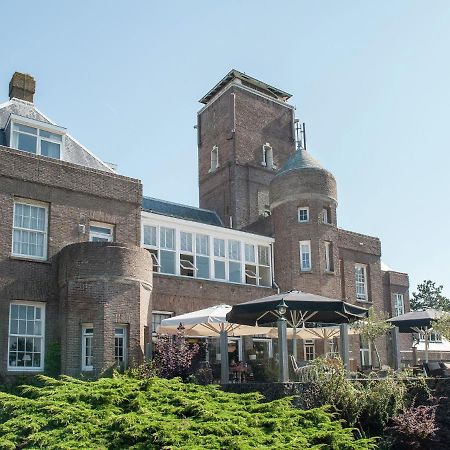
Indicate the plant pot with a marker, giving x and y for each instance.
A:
(218, 357)
(252, 357)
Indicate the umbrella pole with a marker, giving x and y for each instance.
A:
(294, 342)
(224, 369)
(344, 346)
(426, 344)
(282, 350)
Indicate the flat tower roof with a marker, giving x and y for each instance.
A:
(246, 81)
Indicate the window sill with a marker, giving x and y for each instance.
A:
(330, 272)
(213, 170)
(29, 259)
(363, 301)
(25, 369)
(306, 271)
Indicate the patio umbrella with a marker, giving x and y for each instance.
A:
(210, 321)
(300, 308)
(417, 322)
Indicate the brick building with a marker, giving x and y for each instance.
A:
(89, 265)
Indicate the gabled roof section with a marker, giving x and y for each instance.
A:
(246, 81)
(73, 152)
(185, 212)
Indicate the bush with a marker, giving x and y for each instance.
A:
(413, 429)
(155, 413)
(368, 404)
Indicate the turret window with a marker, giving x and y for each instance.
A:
(267, 156)
(326, 215)
(305, 256)
(214, 159)
(361, 282)
(329, 257)
(303, 214)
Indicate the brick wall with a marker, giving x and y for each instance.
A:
(74, 195)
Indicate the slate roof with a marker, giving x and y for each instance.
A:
(186, 212)
(301, 159)
(73, 151)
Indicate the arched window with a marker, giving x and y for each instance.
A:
(267, 160)
(214, 158)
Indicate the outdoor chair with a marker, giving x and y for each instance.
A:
(305, 373)
(434, 369)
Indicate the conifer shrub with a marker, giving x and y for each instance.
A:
(155, 413)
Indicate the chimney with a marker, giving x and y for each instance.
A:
(22, 86)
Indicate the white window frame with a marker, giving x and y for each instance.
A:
(362, 297)
(105, 237)
(163, 313)
(33, 204)
(309, 344)
(214, 159)
(399, 304)
(29, 336)
(300, 210)
(213, 234)
(267, 156)
(303, 267)
(39, 126)
(328, 256)
(326, 219)
(269, 343)
(87, 326)
(365, 352)
(124, 336)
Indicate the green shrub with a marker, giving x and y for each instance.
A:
(154, 413)
(368, 404)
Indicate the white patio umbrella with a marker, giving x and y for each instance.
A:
(211, 322)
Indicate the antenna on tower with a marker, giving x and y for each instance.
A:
(300, 134)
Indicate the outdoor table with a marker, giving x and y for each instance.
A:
(239, 373)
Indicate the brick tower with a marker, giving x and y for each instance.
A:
(245, 134)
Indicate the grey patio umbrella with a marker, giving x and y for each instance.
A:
(300, 308)
(417, 322)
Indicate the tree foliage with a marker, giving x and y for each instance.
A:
(156, 413)
(429, 295)
(372, 328)
(174, 355)
(442, 326)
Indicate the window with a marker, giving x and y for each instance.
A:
(328, 257)
(305, 256)
(303, 214)
(87, 333)
(167, 252)
(433, 336)
(120, 346)
(365, 352)
(30, 226)
(37, 141)
(399, 306)
(26, 336)
(309, 349)
(158, 317)
(202, 255)
(150, 235)
(361, 282)
(251, 276)
(101, 232)
(264, 265)
(267, 153)
(187, 267)
(234, 265)
(326, 215)
(214, 159)
(263, 348)
(219, 259)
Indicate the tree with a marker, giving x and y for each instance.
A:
(174, 355)
(442, 326)
(429, 295)
(373, 327)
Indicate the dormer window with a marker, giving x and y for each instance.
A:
(36, 137)
(267, 160)
(214, 159)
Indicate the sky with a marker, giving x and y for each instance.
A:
(370, 79)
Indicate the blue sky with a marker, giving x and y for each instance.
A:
(370, 79)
